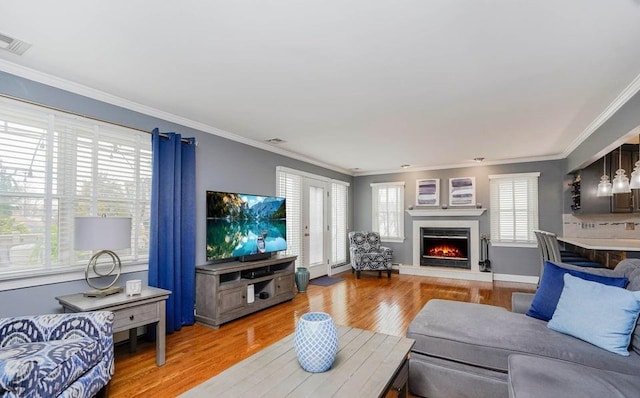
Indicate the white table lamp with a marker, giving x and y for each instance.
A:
(104, 234)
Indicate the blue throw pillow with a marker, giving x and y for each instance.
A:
(546, 298)
(604, 316)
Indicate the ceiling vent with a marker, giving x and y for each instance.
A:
(13, 45)
(275, 141)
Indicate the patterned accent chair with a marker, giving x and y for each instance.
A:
(59, 355)
(367, 254)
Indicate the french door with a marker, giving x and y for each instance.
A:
(315, 228)
(317, 214)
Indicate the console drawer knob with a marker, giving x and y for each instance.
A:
(131, 317)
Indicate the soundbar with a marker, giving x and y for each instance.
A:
(255, 273)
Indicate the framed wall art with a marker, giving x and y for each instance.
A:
(462, 191)
(428, 192)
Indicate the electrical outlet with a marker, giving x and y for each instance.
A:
(630, 226)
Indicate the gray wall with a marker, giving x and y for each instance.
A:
(504, 260)
(221, 164)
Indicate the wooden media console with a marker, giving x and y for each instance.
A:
(228, 291)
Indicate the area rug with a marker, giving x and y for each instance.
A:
(325, 281)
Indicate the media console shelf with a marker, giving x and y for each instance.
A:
(223, 291)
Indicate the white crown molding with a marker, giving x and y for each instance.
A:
(102, 96)
(617, 103)
(461, 165)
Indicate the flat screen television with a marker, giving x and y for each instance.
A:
(243, 226)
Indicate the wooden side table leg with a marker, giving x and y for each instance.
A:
(401, 382)
(402, 393)
(133, 339)
(160, 334)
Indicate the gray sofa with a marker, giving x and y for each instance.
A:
(476, 350)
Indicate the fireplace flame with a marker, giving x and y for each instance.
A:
(445, 251)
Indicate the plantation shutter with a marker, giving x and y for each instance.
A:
(339, 202)
(514, 207)
(26, 187)
(388, 210)
(54, 167)
(289, 186)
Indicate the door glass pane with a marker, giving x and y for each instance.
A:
(316, 226)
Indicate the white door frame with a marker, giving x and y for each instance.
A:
(320, 267)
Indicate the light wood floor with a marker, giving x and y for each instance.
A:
(197, 353)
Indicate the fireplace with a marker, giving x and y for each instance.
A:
(445, 247)
(471, 272)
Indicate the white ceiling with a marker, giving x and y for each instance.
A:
(365, 84)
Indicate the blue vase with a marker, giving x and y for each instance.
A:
(302, 279)
(316, 342)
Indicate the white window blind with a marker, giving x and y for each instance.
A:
(339, 203)
(289, 186)
(388, 210)
(54, 167)
(514, 207)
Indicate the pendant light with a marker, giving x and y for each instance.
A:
(635, 176)
(604, 187)
(620, 181)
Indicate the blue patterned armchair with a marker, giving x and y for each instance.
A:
(58, 355)
(367, 254)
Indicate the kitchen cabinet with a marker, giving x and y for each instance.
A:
(583, 189)
(583, 194)
(602, 250)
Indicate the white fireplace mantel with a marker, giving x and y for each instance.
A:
(474, 235)
(449, 212)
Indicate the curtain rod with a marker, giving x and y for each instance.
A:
(53, 108)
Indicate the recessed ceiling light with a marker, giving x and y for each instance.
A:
(479, 159)
(275, 141)
(405, 166)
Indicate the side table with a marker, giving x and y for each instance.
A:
(130, 313)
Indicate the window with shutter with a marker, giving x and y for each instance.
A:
(514, 208)
(388, 210)
(54, 167)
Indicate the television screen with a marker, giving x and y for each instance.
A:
(244, 225)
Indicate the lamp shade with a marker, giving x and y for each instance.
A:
(620, 182)
(102, 233)
(604, 187)
(635, 177)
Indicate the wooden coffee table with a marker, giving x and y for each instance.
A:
(368, 364)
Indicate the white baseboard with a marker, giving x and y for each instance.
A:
(516, 278)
